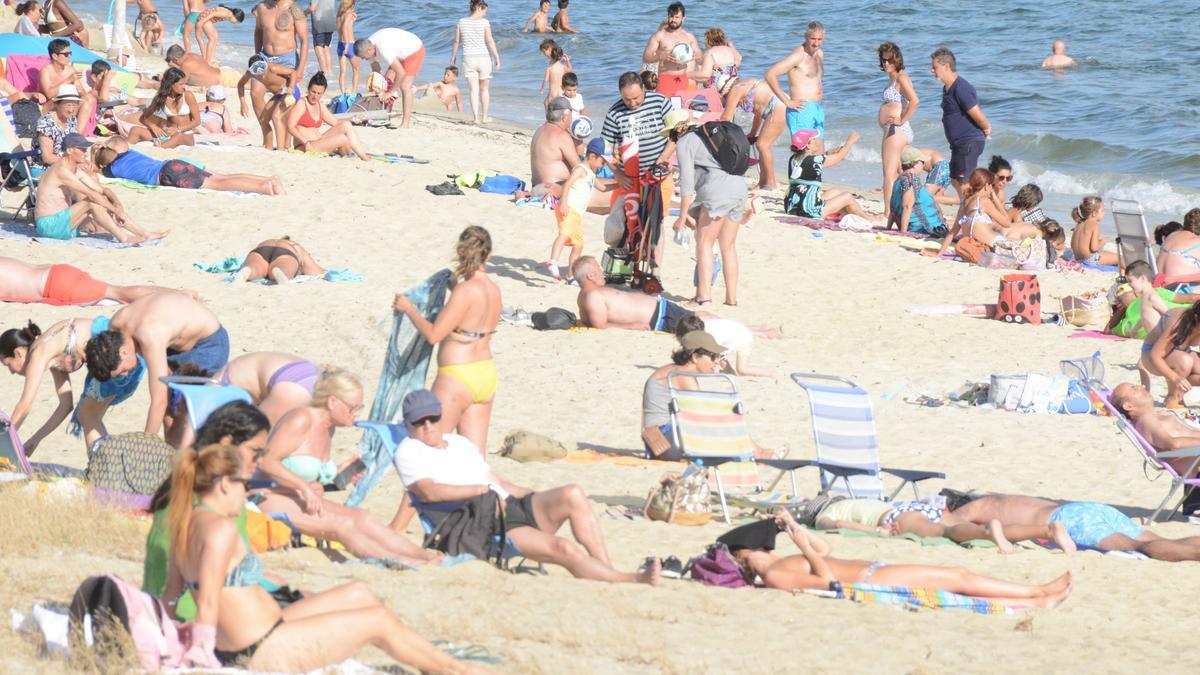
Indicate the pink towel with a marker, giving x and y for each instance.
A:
(1096, 335)
(23, 70)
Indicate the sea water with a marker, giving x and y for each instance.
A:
(1124, 123)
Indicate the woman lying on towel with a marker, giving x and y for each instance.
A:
(237, 621)
(752, 547)
(115, 159)
(305, 119)
(298, 460)
(280, 260)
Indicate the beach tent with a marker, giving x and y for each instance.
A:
(24, 55)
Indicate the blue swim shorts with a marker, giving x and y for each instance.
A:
(287, 59)
(1089, 523)
(345, 49)
(57, 225)
(811, 116)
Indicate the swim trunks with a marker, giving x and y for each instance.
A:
(209, 353)
(811, 116)
(933, 513)
(518, 512)
(964, 157)
(571, 227)
(322, 39)
(66, 285)
(180, 174)
(57, 225)
(192, 17)
(345, 49)
(667, 315)
(670, 84)
(287, 59)
(412, 63)
(1089, 523)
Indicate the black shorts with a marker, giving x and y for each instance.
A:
(667, 315)
(518, 512)
(180, 174)
(964, 157)
(322, 39)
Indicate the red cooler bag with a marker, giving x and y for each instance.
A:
(1020, 299)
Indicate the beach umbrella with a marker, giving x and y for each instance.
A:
(14, 44)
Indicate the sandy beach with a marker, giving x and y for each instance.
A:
(841, 300)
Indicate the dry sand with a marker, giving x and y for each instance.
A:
(841, 300)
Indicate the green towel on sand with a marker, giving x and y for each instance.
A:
(924, 541)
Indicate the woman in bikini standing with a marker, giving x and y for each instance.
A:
(466, 378)
(899, 104)
(280, 260)
(173, 114)
(305, 119)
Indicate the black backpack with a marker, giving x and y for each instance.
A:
(25, 117)
(470, 528)
(728, 145)
(555, 318)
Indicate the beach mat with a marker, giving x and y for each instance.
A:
(818, 224)
(924, 541)
(1096, 335)
(21, 232)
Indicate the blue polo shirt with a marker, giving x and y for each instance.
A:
(957, 99)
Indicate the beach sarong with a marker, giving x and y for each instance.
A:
(404, 368)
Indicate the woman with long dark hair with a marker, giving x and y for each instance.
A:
(305, 119)
(1173, 357)
(173, 115)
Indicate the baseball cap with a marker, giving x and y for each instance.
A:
(699, 339)
(559, 103)
(215, 93)
(912, 155)
(420, 404)
(596, 146)
(801, 139)
(75, 140)
(674, 119)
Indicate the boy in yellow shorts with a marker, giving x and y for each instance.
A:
(577, 191)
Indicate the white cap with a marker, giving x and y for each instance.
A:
(215, 93)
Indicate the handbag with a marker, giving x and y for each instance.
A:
(1020, 299)
(969, 249)
(681, 498)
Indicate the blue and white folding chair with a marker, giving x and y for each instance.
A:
(847, 447)
(203, 395)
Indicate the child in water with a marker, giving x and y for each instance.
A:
(539, 19)
(446, 91)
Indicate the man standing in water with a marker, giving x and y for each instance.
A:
(805, 68)
(966, 127)
(672, 73)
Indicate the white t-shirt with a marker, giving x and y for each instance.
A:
(459, 463)
(576, 102)
(730, 334)
(393, 43)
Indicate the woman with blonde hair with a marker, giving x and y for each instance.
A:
(237, 621)
(466, 378)
(298, 460)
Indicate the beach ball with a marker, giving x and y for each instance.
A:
(581, 128)
(682, 52)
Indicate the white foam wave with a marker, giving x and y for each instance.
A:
(1050, 180)
(1158, 197)
(858, 153)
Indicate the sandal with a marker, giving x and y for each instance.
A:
(698, 302)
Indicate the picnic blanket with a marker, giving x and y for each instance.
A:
(24, 232)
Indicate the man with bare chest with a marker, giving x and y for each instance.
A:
(281, 36)
(672, 73)
(805, 69)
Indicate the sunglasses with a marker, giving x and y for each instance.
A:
(355, 409)
(1006, 179)
(66, 53)
(432, 419)
(244, 481)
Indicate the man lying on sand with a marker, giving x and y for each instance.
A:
(437, 467)
(168, 330)
(604, 307)
(60, 285)
(1164, 430)
(1090, 524)
(924, 520)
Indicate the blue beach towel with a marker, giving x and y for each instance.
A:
(404, 368)
(501, 184)
(232, 264)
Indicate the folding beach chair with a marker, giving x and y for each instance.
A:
(847, 447)
(709, 426)
(1133, 238)
(1155, 459)
(203, 395)
(391, 435)
(17, 174)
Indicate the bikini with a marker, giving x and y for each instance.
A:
(307, 120)
(974, 216)
(310, 469)
(303, 373)
(892, 95)
(207, 115)
(273, 253)
(747, 102)
(165, 113)
(729, 69)
(478, 377)
(871, 569)
(1185, 254)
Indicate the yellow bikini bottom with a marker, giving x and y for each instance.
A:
(479, 378)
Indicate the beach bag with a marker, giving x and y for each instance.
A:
(970, 249)
(1078, 400)
(1086, 309)
(526, 446)
(555, 318)
(133, 463)
(1020, 299)
(728, 145)
(683, 499)
(370, 103)
(106, 608)
(618, 266)
(342, 103)
(470, 528)
(501, 184)
(716, 567)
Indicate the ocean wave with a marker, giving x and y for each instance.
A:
(1156, 196)
(860, 154)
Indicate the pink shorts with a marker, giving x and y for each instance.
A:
(412, 62)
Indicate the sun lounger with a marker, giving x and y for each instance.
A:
(1133, 238)
(847, 447)
(709, 426)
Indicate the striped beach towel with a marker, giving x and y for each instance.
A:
(921, 597)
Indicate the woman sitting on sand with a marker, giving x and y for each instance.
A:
(1171, 354)
(1002, 175)
(1180, 254)
(977, 216)
(304, 121)
(115, 159)
(466, 378)
(173, 115)
(814, 569)
(298, 460)
(280, 260)
(278, 383)
(806, 196)
(770, 119)
(237, 622)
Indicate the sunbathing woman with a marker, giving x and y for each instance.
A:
(298, 460)
(237, 621)
(173, 114)
(280, 260)
(278, 383)
(769, 119)
(304, 122)
(814, 569)
(977, 216)
(115, 159)
(1171, 354)
(466, 378)
(1180, 254)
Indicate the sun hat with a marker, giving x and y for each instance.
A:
(67, 92)
(912, 155)
(675, 118)
(802, 138)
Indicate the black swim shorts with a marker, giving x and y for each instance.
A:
(518, 512)
(322, 39)
(964, 157)
(667, 315)
(180, 174)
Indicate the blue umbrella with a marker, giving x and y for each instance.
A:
(15, 43)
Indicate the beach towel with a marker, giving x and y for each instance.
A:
(404, 368)
(920, 597)
(25, 232)
(815, 224)
(142, 187)
(1095, 335)
(924, 541)
(234, 263)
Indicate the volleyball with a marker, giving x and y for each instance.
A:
(581, 128)
(682, 52)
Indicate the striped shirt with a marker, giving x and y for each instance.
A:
(472, 31)
(645, 122)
